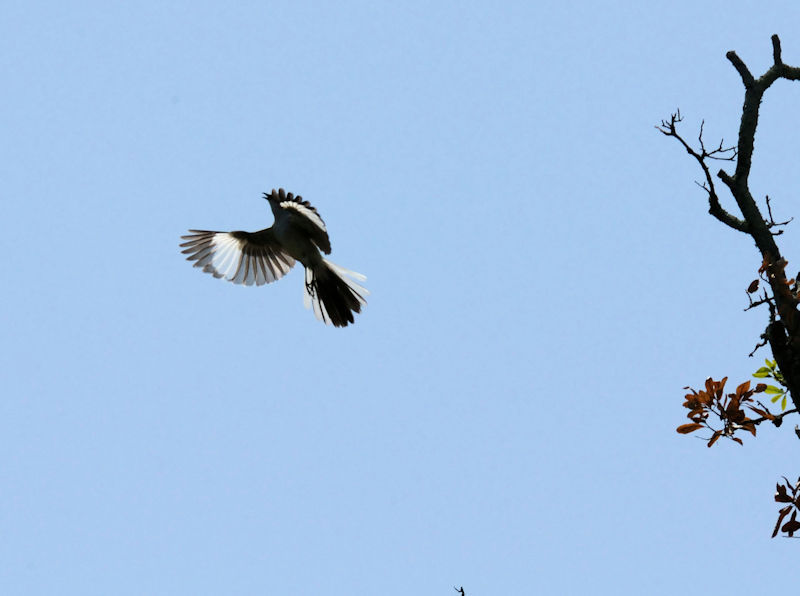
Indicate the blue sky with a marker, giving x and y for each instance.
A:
(544, 280)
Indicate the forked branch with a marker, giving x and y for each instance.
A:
(670, 129)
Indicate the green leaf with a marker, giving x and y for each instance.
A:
(773, 389)
(783, 402)
(770, 363)
(776, 398)
(762, 373)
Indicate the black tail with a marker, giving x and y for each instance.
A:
(334, 293)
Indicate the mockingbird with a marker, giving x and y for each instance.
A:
(259, 258)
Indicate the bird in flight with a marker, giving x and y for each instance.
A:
(298, 234)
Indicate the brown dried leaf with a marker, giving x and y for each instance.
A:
(737, 439)
(721, 386)
(732, 409)
(692, 404)
(760, 388)
(734, 413)
(752, 287)
(741, 389)
(791, 527)
(762, 413)
(717, 434)
(685, 429)
(781, 514)
(780, 494)
(697, 412)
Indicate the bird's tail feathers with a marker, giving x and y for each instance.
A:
(334, 293)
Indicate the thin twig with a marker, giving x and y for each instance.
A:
(775, 417)
(755, 303)
(759, 345)
(669, 128)
(772, 223)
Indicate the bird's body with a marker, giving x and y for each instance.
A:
(298, 234)
(302, 234)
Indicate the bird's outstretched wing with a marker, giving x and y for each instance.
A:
(240, 257)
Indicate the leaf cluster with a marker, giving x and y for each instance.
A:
(787, 493)
(727, 408)
(770, 371)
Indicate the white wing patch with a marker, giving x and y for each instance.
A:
(307, 212)
(225, 256)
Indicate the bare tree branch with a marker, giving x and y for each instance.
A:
(776, 50)
(744, 72)
(669, 128)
